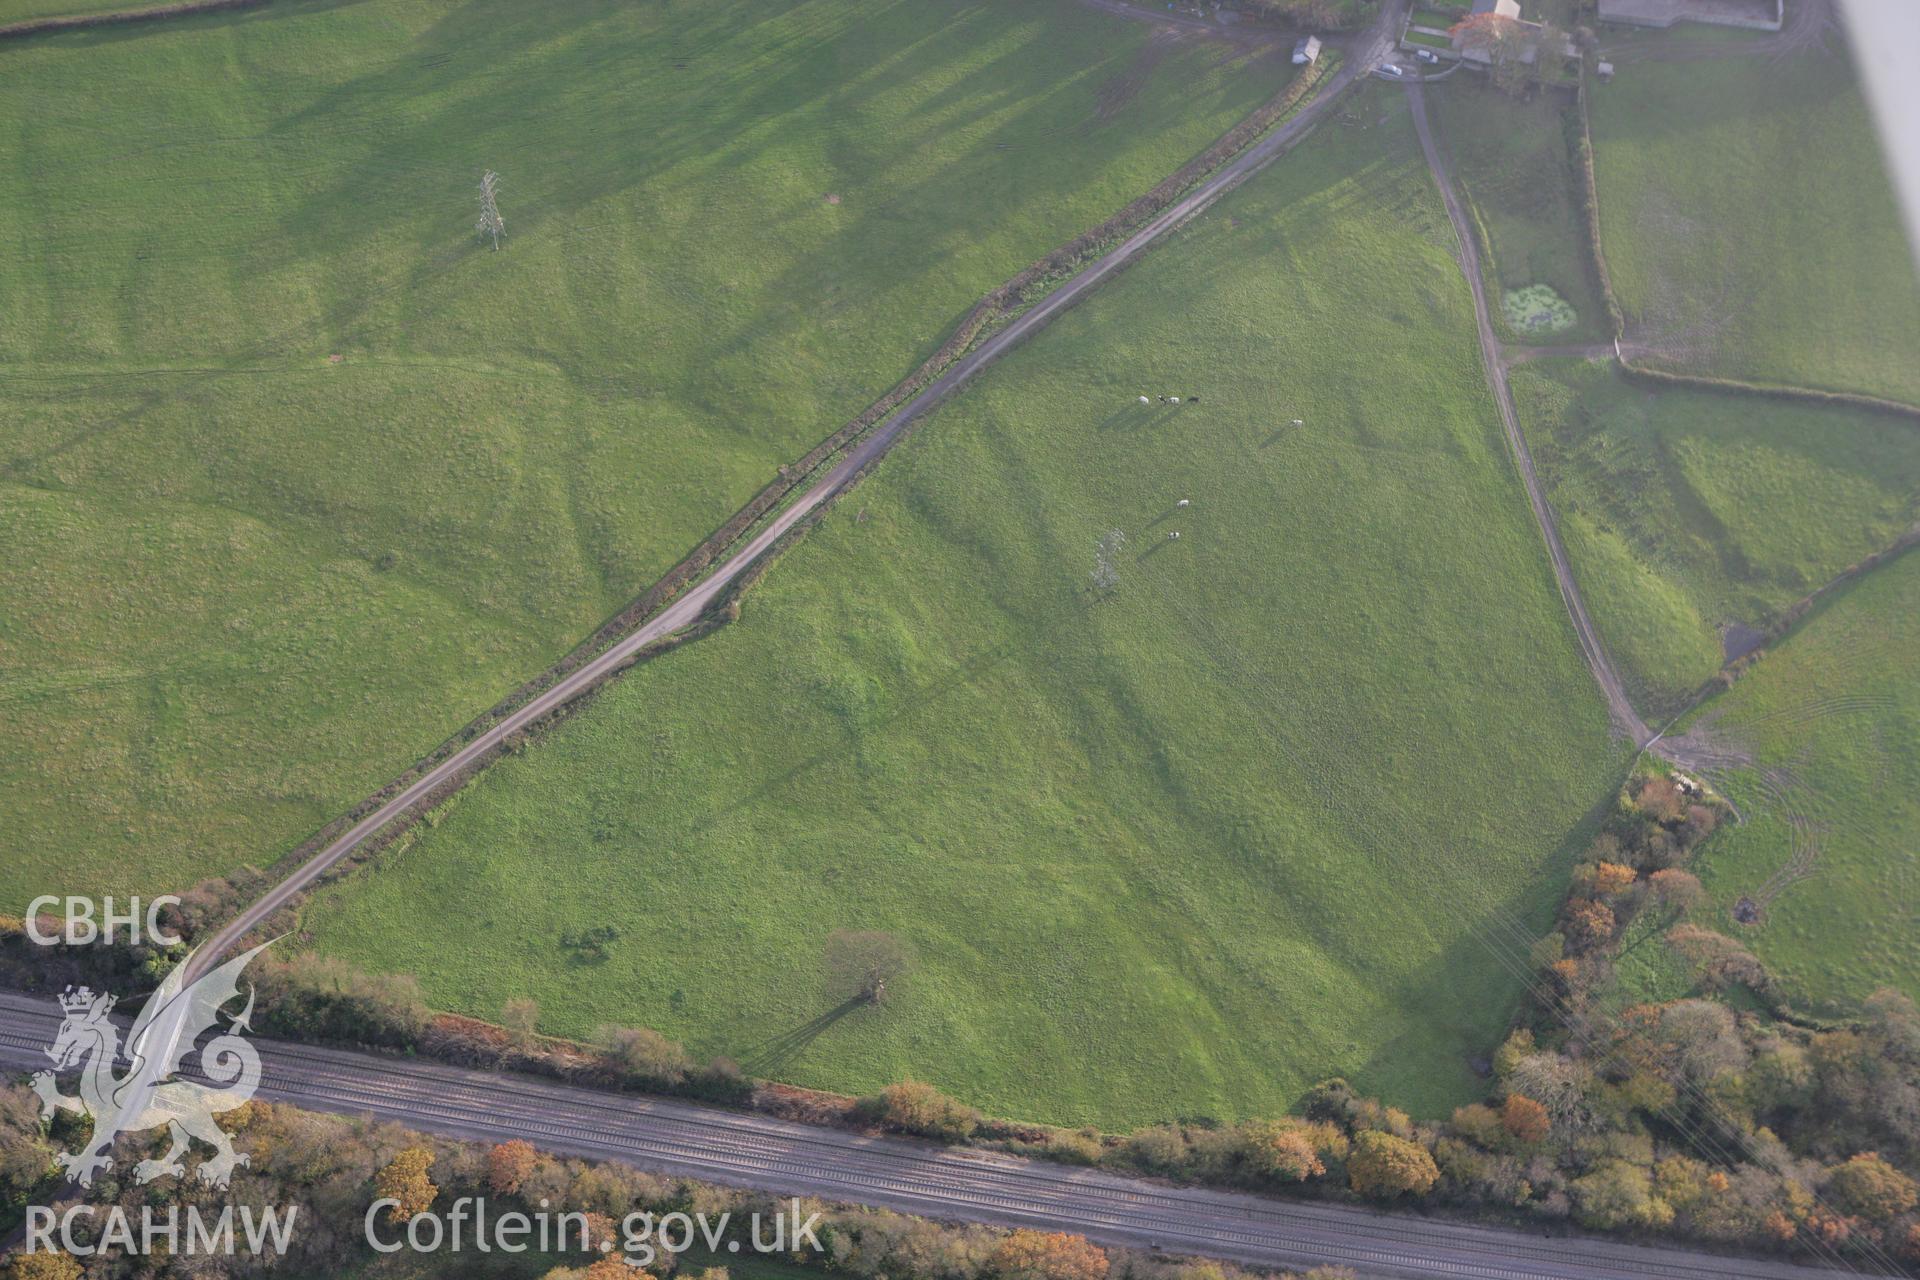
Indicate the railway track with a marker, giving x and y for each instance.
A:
(758, 1152)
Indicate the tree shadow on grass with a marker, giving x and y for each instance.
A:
(771, 1057)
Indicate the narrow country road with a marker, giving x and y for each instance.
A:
(1367, 51)
(1619, 706)
(915, 1177)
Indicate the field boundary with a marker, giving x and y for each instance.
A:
(1784, 620)
(1590, 197)
(124, 17)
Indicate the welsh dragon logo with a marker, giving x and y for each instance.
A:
(149, 1094)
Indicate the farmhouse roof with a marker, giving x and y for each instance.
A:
(1504, 8)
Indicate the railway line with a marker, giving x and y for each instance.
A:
(758, 1152)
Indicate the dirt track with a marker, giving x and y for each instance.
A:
(1367, 51)
(1625, 719)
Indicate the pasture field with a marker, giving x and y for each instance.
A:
(1687, 511)
(1832, 797)
(12, 11)
(1183, 849)
(298, 477)
(1749, 224)
(1512, 161)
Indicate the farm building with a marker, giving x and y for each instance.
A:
(1472, 43)
(1756, 15)
(1307, 50)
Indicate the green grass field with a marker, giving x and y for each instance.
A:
(1749, 224)
(1686, 511)
(12, 11)
(1179, 851)
(1512, 161)
(247, 582)
(1832, 714)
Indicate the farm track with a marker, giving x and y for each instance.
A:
(783, 1157)
(765, 1153)
(1365, 53)
(1620, 708)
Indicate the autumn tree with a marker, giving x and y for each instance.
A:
(1660, 798)
(913, 1107)
(1703, 1040)
(404, 1180)
(1479, 1124)
(1868, 1187)
(1525, 1120)
(1281, 1150)
(645, 1054)
(1385, 1166)
(1897, 1019)
(49, 1265)
(1503, 42)
(602, 1269)
(1047, 1255)
(1681, 1181)
(1588, 923)
(1678, 891)
(860, 964)
(1719, 962)
(1610, 878)
(508, 1165)
(1557, 1083)
(1619, 1194)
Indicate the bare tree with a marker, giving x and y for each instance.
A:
(1106, 558)
(491, 223)
(860, 964)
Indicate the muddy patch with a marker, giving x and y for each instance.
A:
(1737, 640)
